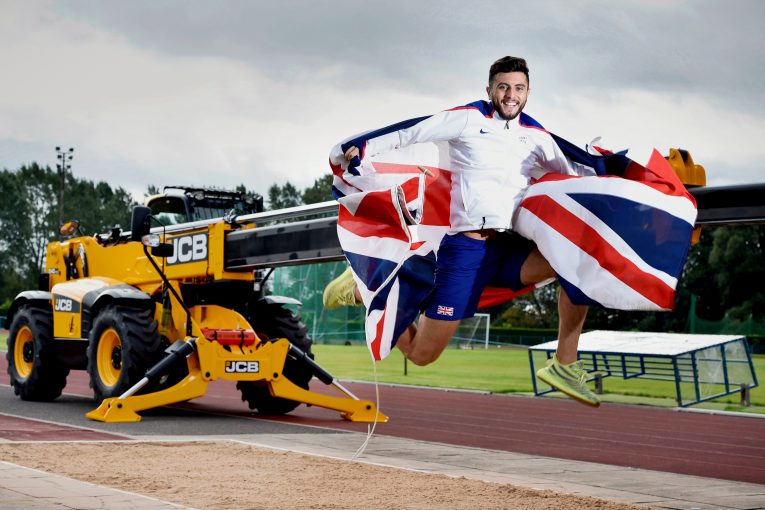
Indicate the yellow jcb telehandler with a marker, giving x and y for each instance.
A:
(156, 314)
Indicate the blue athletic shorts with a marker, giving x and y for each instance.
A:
(466, 265)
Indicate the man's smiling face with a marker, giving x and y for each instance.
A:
(508, 93)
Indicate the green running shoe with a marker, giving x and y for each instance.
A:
(340, 291)
(569, 379)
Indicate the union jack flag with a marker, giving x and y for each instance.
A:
(618, 239)
(445, 310)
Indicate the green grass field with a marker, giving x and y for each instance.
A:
(500, 371)
(506, 371)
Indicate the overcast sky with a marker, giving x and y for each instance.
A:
(170, 92)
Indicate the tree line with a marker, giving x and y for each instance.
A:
(722, 278)
(30, 219)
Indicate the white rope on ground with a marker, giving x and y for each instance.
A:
(370, 428)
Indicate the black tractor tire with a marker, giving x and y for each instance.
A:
(122, 345)
(35, 372)
(274, 322)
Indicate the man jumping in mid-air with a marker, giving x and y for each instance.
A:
(494, 148)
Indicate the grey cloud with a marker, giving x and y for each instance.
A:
(705, 47)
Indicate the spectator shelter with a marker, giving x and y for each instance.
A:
(702, 367)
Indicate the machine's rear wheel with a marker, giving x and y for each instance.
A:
(35, 372)
(122, 345)
(275, 321)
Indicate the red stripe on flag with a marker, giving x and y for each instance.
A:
(377, 342)
(411, 189)
(395, 168)
(375, 217)
(437, 198)
(660, 175)
(602, 151)
(493, 296)
(437, 190)
(590, 241)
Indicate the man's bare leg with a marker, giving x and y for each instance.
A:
(562, 373)
(536, 269)
(570, 322)
(424, 343)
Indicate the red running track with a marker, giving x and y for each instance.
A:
(717, 446)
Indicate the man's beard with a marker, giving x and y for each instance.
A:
(498, 108)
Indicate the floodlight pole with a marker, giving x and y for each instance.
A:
(64, 165)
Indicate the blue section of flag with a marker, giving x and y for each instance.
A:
(655, 235)
(336, 193)
(485, 107)
(373, 271)
(527, 120)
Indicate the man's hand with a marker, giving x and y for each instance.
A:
(352, 152)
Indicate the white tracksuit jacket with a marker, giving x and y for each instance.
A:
(492, 161)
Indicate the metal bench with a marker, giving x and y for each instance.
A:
(702, 367)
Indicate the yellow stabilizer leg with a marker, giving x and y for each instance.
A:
(350, 409)
(117, 409)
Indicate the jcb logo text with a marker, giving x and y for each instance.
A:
(65, 304)
(190, 248)
(243, 367)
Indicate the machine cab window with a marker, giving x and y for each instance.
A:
(179, 204)
(169, 210)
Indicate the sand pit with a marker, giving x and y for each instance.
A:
(228, 475)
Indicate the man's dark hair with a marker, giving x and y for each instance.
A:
(508, 65)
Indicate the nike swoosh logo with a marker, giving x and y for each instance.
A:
(483, 132)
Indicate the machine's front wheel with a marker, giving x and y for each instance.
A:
(276, 321)
(34, 371)
(122, 345)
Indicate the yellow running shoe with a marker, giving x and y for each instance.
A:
(340, 291)
(570, 379)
